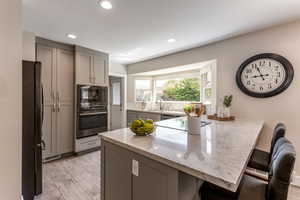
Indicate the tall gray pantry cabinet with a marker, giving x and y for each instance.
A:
(58, 87)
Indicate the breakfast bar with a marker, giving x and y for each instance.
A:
(170, 163)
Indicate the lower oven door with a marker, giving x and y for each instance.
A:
(91, 124)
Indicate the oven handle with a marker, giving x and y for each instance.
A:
(95, 113)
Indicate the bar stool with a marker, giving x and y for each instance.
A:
(280, 172)
(260, 160)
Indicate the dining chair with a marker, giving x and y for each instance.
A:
(260, 160)
(251, 188)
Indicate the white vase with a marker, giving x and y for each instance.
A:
(220, 112)
(194, 125)
(227, 112)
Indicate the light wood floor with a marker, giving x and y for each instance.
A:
(78, 178)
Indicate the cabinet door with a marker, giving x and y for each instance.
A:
(154, 181)
(65, 100)
(84, 68)
(47, 56)
(131, 116)
(100, 69)
(155, 117)
(115, 173)
(142, 115)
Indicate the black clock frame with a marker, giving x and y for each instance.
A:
(288, 67)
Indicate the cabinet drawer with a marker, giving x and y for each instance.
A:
(87, 143)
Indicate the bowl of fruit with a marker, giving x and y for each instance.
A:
(142, 127)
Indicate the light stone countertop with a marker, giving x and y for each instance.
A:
(219, 155)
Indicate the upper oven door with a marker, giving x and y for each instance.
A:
(91, 97)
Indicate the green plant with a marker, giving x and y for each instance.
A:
(228, 101)
(187, 89)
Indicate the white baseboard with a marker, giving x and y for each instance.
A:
(296, 180)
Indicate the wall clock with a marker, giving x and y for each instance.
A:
(264, 75)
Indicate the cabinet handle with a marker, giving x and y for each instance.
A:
(104, 71)
(54, 102)
(135, 167)
(58, 102)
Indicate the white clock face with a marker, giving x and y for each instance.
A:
(263, 75)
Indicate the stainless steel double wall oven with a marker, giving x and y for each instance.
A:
(92, 110)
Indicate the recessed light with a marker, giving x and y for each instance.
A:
(72, 36)
(171, 40)
(105, 4)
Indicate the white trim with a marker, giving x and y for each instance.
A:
(117, 74)
(124, 76)
(151, 87)
(296, 180)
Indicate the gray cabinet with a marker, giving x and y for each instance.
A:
(84, 67)
(46, 55)
(91, 67)
(130, 176)
(133, 115)
(65, 100)
(116, 173)
(58, 84)
(100, 69)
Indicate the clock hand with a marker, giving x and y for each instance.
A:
(260, 73)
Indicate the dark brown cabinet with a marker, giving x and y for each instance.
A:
(130, 176)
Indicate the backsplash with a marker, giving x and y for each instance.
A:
(166, 106)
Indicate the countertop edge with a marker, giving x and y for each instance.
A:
(249, 157)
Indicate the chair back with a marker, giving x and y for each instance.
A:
(281, 169)
(278, 132)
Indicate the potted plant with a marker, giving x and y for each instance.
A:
(194, 112)
(227, 104)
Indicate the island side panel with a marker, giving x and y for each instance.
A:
(115, 173)
(154, 181)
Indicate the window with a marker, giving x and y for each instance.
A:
(206, 89)
(143, 90)
(116, 93)
(196, 85)
(178, 89)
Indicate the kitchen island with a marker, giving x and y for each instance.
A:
(171, 163)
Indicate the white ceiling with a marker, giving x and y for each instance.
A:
(136, 30)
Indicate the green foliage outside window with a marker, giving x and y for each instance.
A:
(187, 89)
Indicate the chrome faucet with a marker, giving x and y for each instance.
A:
(160, 105)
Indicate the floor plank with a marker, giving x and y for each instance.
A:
(78, 178)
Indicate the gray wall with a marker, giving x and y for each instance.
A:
(284, 40)
(10, 99)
